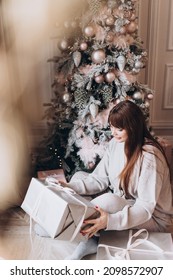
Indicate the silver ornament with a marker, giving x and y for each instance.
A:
(66, 97)
(83, 46)
(89, 31)
(98, 56)
(147, 104)
(139, 64)
(110, 77)
(121, 62)
(63, 45)
(99, 79)
(137, 95)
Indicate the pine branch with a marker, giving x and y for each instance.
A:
(94, 6)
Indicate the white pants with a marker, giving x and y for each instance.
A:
(112, 203)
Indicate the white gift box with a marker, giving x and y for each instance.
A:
(56, 173)
(59, 211)
(135, 245)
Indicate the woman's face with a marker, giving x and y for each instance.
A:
(119, 134)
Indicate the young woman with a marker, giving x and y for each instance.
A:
(135, 171)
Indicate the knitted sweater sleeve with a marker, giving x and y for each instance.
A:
(95, 182)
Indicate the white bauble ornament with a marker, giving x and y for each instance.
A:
(121, 62)
(99, 79)
(137, 95)
(147, 104)
(63, 45)
(83, 46)
(139, 64)
(66, 97)
(110, 77)
(98, 56)
(77, 58)
(94, 109)
(117, 101)
(89, 31)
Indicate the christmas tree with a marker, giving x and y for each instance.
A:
(100, 58)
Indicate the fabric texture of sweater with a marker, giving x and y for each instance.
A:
(149, 187)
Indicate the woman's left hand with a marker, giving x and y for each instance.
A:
(96, 224)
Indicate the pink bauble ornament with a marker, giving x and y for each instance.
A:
(99, 79)
(63, 45)
(110, 21)
(110, 77)
(98, 56)
(89, 31)
(132, 27)
(83, 46)
(150, 96)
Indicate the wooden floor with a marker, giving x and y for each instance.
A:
(16, 243)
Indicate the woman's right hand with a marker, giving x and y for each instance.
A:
(62, 183)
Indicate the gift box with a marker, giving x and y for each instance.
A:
(135, 245)
(56, 173)
(167, 146)
(59, 211)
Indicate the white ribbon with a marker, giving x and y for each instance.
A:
(58, 186)
(52, 185)
(123, 254)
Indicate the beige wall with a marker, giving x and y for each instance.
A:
(158, 35)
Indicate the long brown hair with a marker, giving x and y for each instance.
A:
(127, 115)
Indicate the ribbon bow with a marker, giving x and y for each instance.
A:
(53, 183)
(124, 253)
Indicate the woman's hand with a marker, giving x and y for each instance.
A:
(62, 183)
(95, 224)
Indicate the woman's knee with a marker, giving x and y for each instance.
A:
(110, 202)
